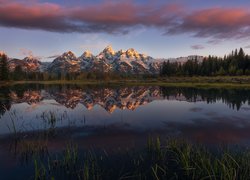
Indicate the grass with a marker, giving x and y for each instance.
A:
(160, 159)
(216, 81)
(170, 159)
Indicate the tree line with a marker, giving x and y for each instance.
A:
(236, 63)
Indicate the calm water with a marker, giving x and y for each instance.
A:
(116, 117)
(209, 115)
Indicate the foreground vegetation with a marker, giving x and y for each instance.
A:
(160, 158)
(170, 159)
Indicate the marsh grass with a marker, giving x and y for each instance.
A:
(13, 119)
(168, 159)
(49, 119)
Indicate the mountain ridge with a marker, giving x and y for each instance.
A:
(123, 61)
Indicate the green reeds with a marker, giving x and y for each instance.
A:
(169, 159)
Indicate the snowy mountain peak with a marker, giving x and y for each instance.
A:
(107, 54)
(87, 54)
(31, 59)
(109, 50)
(121, 51)
(132, 53)
(70, 53)
(2, 53)
(67, 56)
(129, 62)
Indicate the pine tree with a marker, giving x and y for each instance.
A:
(18, 73)
(4, 69)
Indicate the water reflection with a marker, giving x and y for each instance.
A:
(208, 115)
(45, 118)
(112, 98)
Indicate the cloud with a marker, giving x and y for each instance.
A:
(122, 17)
(93, 42)
(215, 23)
(197, 47)
(247, 47)
(108, 17)
(53, 56)
(26, 52)
(214, 41)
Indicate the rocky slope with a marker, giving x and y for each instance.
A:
(124, 62)
(28, 64)
(67, 62)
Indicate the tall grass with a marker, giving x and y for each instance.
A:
(168, 159)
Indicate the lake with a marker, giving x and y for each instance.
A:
(111, 117)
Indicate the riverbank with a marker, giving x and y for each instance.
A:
(218, 81)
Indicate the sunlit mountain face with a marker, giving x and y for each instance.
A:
(107, 61)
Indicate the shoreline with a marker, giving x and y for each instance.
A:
(220, 81)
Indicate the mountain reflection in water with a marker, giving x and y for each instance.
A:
(111, 98)
(211, 115)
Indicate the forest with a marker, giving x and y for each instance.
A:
(236, 63)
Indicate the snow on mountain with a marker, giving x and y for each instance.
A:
(108, 60)
(2, 53)
(28, 64)
(67, 62)
(32, 64)
(86, 59)
(131, 61)
(128, 62)
(44, 66)
(107, 54)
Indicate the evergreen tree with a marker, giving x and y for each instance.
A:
(4, 69)
(236, 63)
(18, 73)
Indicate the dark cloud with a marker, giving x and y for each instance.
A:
(214, 41)
(247, 47)
(197, 47)
(122, 16)
(53, 56)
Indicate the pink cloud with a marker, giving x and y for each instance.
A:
(218, 23)
(109, 17)
(123, 16)
(26, 52)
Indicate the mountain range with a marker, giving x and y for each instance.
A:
(129, 62)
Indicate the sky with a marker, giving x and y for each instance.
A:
(159, 28)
